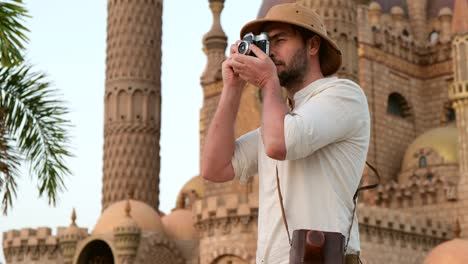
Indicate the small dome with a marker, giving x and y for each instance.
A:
(397, 11)
(194, 184)
(434, 6)
(179, 225)
(375, 6)
(73, 232)
(388, 5)
(128, 225)
(445, 12)
(144, 215)
(442, 140)
(451, 252)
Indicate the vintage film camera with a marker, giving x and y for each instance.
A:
(260, 40)
(317, 247)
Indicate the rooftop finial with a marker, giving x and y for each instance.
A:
(131, 191)
(127, 207)
(73, 217)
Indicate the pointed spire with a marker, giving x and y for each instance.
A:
(73, 217)
(460, 17)
(127, 204)
(131, 192)
(127, 208)
(214, 45)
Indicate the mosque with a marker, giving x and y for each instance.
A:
(411, 59)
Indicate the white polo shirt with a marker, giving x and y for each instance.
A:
(327, 138)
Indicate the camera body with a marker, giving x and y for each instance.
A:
(317, 247)
(260, 40)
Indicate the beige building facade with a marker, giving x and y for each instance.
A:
(409, 56)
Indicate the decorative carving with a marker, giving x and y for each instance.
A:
(133, 72)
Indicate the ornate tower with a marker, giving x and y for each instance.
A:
(458, 93)
(132, 101)
(214, 47)
(227, 214)
(340, 18)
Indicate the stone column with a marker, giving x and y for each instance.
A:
(458, 93)
(132, 101)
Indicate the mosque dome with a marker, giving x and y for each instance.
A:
(195, 186)
(450, 252)
(146, 218)
(442, 140)
(179, 225)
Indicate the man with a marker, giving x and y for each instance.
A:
(317, 140)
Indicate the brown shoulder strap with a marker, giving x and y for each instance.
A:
(362, 188)
(282, 207)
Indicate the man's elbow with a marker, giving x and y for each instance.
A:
(276, 151)
(216, 176)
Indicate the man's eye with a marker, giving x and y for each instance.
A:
(279, 40)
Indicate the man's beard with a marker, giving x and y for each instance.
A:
(295, 72)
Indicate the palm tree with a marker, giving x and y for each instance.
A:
(32, 123)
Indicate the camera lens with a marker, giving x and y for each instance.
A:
(243, 47)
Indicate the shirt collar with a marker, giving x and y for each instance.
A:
(307, 91)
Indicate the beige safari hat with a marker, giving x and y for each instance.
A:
(296, 14)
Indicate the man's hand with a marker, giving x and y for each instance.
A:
(230, 78)
(259, 71)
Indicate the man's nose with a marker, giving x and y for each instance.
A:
(272, 54)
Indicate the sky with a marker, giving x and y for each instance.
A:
(67, 42)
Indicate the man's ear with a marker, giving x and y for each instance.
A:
(314, 45)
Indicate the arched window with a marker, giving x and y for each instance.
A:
(422, 162)
(433, 37)
(451, 115)
(429, 176)
(398, 106)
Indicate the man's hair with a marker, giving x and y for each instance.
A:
(306, 35)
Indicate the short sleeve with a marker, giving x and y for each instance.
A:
(330, 116)
(245, 158)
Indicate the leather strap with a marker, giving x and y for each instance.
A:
(362, 188)
(282, 207)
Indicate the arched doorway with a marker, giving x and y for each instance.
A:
(96, 252)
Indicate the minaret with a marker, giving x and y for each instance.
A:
(340, 18)
(458, 93)
(214, 47)
(132, 101)
(227, 213)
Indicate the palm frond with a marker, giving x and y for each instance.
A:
(12, 32)
(34, 116)
(8, 167)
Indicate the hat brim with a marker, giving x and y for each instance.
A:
(330, 57)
